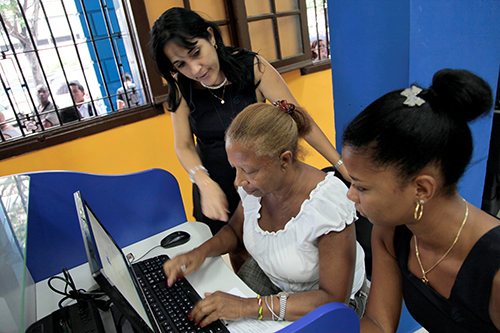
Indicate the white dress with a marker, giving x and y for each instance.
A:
(290, 257)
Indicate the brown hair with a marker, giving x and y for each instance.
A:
(269, 130)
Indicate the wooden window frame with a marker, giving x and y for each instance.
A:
(282, 65)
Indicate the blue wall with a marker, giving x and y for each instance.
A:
(382, 45)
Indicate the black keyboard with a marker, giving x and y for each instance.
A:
(170, 305)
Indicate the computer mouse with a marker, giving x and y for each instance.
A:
(174, 239)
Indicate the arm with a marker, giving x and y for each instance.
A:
(495, 301)
(337, 261)
(385, 299)
(229, 238)
(273, 88)
(213, 200)
(337, 257)
(120, 104)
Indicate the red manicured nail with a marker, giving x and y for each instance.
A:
(189, 316)
(179, 276)
(200, 325)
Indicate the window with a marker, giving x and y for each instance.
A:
(66, 64)
(276, 29)
(317, 17)
(53, 43)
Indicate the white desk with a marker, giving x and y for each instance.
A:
(213, 275)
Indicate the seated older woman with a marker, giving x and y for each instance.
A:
(295, 221)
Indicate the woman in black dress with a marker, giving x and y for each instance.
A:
(211, 85)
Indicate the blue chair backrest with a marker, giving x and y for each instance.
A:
(132, 207)
(331, 317)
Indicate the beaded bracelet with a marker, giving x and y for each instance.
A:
(260, 307)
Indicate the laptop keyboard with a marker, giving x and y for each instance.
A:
(170, 305)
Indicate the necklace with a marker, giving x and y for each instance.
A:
(424, 272)
(221, 99)
(230, 99)
(214, 87)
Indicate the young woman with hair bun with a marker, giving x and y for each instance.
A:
(405, 154)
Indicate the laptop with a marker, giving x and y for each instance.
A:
(142, 296)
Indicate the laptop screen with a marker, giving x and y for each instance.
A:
(106, 260)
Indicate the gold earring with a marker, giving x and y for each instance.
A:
(215, 45)
(419, 210)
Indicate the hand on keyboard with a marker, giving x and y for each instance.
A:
(182, 265)
(220, 305)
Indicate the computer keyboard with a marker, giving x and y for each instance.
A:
(170, 305)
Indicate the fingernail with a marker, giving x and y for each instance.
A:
(200, 325)
(179, 276)
(189, 316)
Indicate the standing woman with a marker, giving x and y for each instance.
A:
(211, 85)
(405, 154)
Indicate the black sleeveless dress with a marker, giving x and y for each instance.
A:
(467, 309)
(209, 120)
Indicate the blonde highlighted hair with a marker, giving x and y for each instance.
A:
(269, 130)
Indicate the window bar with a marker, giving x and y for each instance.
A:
(327, 30)
(98, 59)
(35, 50)
(56, 49)
(317, 30)
(24, 83)
(18, 119)
(79, 59)
(111, 34)
(275, 29)
(2, 138)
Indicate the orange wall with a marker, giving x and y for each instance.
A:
(149, 143)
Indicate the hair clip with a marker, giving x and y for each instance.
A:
(411, 95)
(286, 107)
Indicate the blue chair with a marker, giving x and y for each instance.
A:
(331, 317)
(131, 207)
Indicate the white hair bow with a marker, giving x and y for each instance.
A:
(411, 95)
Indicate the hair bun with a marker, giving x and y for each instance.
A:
(461, 94)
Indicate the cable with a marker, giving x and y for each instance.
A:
(132, 259)
(74, 293)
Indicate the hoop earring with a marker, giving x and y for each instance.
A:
(216, 47)
(419, 210)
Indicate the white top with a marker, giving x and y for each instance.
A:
(290, 257)
(84, 110)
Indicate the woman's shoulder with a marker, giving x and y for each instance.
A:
(315, 177)
(328, 198)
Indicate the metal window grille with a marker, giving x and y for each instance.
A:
(56, 46)
(317, 16)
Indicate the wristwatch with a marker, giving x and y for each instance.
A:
(283, 296)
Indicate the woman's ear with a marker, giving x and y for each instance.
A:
(286, 159)
(212, 37)
(425, 186)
